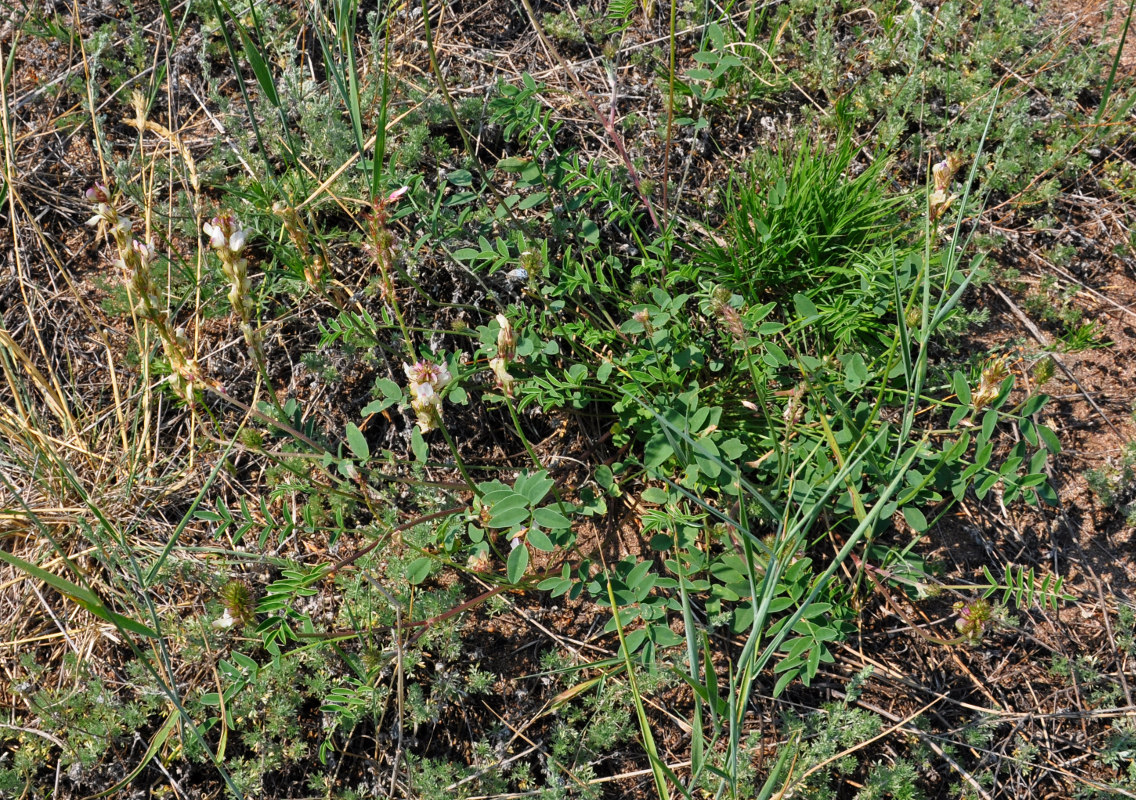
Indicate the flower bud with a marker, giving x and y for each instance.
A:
(506, 340)
(145, 251)
(98, 193)
(990, 383)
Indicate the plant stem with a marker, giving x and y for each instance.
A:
(521, 433)
(457, 457)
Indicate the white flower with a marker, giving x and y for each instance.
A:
(501, 373)
(104, 213)
(425, 380)
(225, 233)
(939, 202)
(438, 375)
(215, 234)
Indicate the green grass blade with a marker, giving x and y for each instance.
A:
(152, 575)
(156, 744)
(1107, 93)
(84, 597)
(659, 770)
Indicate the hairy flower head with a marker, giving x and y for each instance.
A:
(974, 618)
(994, 373)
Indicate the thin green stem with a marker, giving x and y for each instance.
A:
(457, 457)
(520, 433)
(670, 109)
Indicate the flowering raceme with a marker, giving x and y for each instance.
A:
(135, 259)
(426, 380)
(506, 352)
(228, 238)
(941, 198)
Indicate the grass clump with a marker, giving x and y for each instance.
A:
(807, 226)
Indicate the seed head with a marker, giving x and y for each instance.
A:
(1044, 370)
(240, 604)
(990, 383)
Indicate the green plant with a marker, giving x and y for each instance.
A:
(1120, 753)
(822, 747)
(483, 347)
(1086, 336)
(805, 226)
(1115, 483)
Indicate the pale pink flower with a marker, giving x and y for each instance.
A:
(98, 193)
(425, 380)
(145, 251)
(225, 232)
(421, 372)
